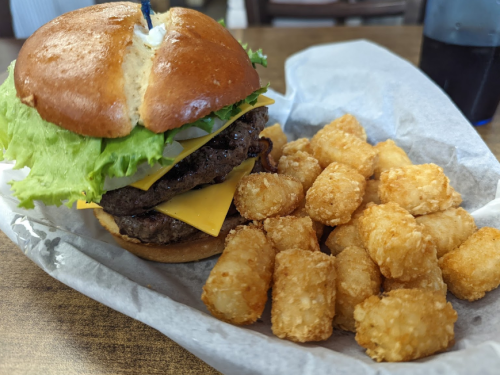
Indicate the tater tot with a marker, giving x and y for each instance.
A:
(371, 192)
(456, 199)
(275, 133)
(302, 166)
(236, 290)
(432, 281)
(419, 189)
(357, 279)
(448, 229)
(335, 194)
(349, 124)
(301, 212)
(291, 232)
(395, 242)
(332, 145)
(473, 269)
(301, 144)
(405, 324)
(343, 236)
(262, 195)
(389, 156)
(303, 295)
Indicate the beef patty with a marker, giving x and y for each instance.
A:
(211, 162)
(155, 227)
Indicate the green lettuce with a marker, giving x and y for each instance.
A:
(65, 166)
(256, 57)
(121, 156)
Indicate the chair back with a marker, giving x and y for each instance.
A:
(261, 12)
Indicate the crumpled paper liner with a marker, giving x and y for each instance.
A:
(391, 99)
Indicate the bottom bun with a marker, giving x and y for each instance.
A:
(175, 253)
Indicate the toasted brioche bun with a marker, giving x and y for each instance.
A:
(87, 71)
(176, 253)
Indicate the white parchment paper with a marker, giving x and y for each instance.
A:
(392, 99)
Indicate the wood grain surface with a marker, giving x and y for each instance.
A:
(48, 328)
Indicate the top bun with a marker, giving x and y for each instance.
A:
(87, 71)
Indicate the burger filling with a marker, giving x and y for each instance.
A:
(132, 208)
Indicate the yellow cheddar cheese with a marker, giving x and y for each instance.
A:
(206, 208)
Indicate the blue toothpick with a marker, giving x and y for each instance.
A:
(146, 11)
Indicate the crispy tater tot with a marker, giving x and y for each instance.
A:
(236, 290)
(395, 242)
(335, 194)
(473, 269)
(371, 192)
(303, 295)
(420, 189)
(448, 229)
(432, 281)
(343, 236)
(389, 156)
(301, 144)
(357, 279)
(405, 324)
(349, 124)
(275, 133)
(302, 166)
(332, 145)
(301, 212)
(456, 199)
(291, 232)
(262, 195)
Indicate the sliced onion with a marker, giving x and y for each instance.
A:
(143, 170)
(194, 132)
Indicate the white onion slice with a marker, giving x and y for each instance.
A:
(194, 132)
(143, 170)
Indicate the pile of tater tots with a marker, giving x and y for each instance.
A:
(400, 242)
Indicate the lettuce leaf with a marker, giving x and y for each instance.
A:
(122, 156)
(256, 57)
(60, 160)
(232, 110)
(4, 138)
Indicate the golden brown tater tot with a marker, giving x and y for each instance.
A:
(395, 242)
(389, 156)
(473, 269)
(448, 229)
(335, 194)
(303, 295)
(405, 324)
(290, 232)
(419, 189)
(262, 195)
(358, 278)
(236, 290)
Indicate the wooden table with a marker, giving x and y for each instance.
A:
(48, 328)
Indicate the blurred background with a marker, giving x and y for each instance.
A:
(20, 18)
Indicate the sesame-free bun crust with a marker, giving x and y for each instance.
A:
(72, 71)
(176, 253)
(199, 68)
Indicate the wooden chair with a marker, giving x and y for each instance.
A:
(261, 12)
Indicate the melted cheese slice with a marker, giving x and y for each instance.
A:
(206, 208)
(191, 145)
(82, 205)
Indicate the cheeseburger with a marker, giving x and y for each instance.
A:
(152, 127)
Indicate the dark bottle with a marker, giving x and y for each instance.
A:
(461, 53)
